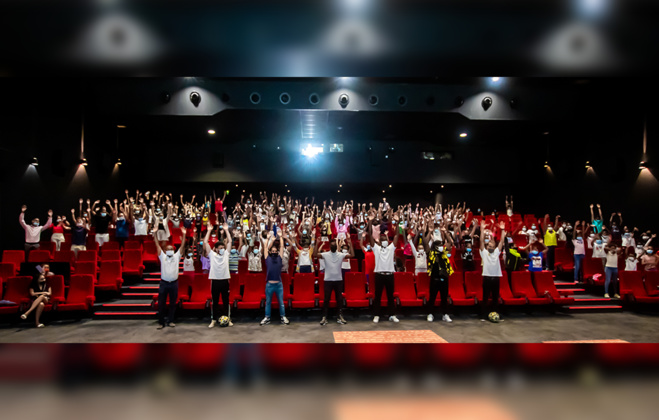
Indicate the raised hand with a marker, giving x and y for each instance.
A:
(50, 213)
(183, 231)
(591, 206)
(23, 208)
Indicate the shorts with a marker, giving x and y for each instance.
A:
(102, 238)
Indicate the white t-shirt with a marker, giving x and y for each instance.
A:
(631, 264)
(598, 250)
(219, 266)
(612, 259)
(169, 266)
(140, 227)
(304, 258)
(188, 264)
(628, 241)
(333, 261)
(384, 258)
(578, 247)
(420, 259)
(491, 265)
(254, 260)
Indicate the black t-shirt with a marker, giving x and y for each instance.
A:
(78, 235)
(468, 261)
(37, 287)
(440, 267)
(102, 223)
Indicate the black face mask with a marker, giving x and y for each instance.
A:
(333, 248)
(273, 254)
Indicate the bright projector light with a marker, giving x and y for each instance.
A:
(311, 151)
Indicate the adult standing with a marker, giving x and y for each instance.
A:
(219, 273)
(491, 270)
(33, 230)
(169, 263)
(383, 251)
(333, 277)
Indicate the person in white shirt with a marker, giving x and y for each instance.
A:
(611, 270)
(333, 276)
(491, 271)
(219, 274)
(254, 257)
(631, 262)
(420, 256)
(579, 251)
(188, 261)
(169, 261)
(33, 231)
(383, 252)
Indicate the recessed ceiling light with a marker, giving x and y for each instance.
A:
(121, 126)
(463, 135)
(496, 79)
(211, 131)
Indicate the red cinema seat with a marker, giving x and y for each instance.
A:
(92, 245)
(234, 288)
(200, 293)
(110, 246)
(354, 264)
(242, 266)
(133, 262)
(456, 291)
(87, 267)
(56, 284)
(150, 253)
(65, 246)
(506, 295)
(18, 292)
(39, 256)
(410, 265)
(133, 245)
(520, 241)
(422, 285)
(544, 285)
(65, 257)
(564, 259)
(652, 283)
(6, 271)
(303, 291)
(111, 255)
(561, 244)
(474, 285)
(14, 257)
(355, 290)
(593, 271)
(88, 256)
(109, 277)
(286, 282)
(523, 287)
(404, 290)
(47, 246)
(184, 283)
(632, 288)
(254, 292)
(80, 296)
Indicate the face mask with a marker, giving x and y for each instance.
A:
(249, 202)
(79, 224)
(141, 219)
(534, 252)
(421, 250)
(249, 236)
(59, 220)
(440, 248)
(221, 251)
(550, 228)
(256, 251)
(468, 249)
(238, 228)
(436, 231)
(361, 226)
(345, 251)
(579, 238)
(304, 232)
(448, 255)
(490, 250)
(510, 240)
(233, 251)
(598, 242)
(85, 215)
(281, 209)
(169, 253)
(368, 247)
(201, 242)
(649, 251)
(645, 238)
(591, 235)
(385, 243)
(487, 241)
(120, 218)
(523, 229)
(35, 223)
(213, 235)
(190, 254)
(103, 214)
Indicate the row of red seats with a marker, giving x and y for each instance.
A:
(634, 289)
(79, 296)
(465, 289)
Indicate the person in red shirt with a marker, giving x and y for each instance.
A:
(369, 258)
(58, 231)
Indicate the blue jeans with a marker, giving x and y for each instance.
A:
(271, 288)
(611, 278)
(578, 258)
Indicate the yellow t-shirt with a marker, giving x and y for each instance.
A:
(550, 238)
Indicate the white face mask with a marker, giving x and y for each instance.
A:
(440, 248)
(221, 251)
(385, 243)
(169, 253)
(420, 250)
(345, 251)
(79, 224)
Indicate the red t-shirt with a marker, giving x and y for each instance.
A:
(218, 206)
(58, 229)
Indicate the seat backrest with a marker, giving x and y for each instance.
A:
(132, 245)
(504, 289)
(86, 267)
(184, 283)
(150, 248)
(474, 284)
(14, 257)
(87, 256)
(404, 285)
(652, 283)
(234, 286)
(410, 265)
(109, 272)
(7, 270)
(632, 281)
(563, 255)
(47, 246)
(132, 258)
(111, 255)
(56, 284)
(422, 283)
(521, 283)
(286, 283)
(18, 288)
(592, 266)
(65, 256)
(110, 246)
(81, 286)
(254, 287)
(355, 286)
(456, 287)
(544, 282)
(303, 286)
(200, 289)
(39, 256)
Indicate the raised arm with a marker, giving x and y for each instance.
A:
(21, 217)
(207, 247)
(482, 241)
(154, 232)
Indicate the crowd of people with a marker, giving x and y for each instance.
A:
(269, 231)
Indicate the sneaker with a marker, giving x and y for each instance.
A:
(161, 326)
(265, 321)
(341, 321)
(447, 318)
(285, 320)
(483, 319)
(212, 324)
(376, 319)
(430, 318)
(40, 326)
(323, 321)
(606, 296)
(617, 296)
(171, 324)
(230, 323)
(393, 318)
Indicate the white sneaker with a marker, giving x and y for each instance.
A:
(265, 321)
(616, 296)
(447, 318)
(285, 320)
(606, 296)
(430, 318)
(212, 324)
(230, 323)
(393, 318)
(376, 319)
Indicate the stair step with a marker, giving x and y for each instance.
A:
(594, 308)
(126, 315)
(122, 305)
(573, 291)
(139, 295)
(141, 287)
